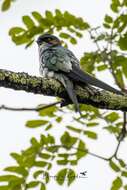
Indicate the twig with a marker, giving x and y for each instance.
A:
(82, 150)
(92, 37)
(123, 130)
(3, 107)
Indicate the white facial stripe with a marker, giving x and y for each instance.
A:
(43, 44)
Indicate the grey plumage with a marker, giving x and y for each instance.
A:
(53, 60)
(60, 63)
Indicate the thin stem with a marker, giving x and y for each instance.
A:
(123, 130)
(82, 150)
(3, 107)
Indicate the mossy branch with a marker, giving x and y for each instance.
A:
(50, 87)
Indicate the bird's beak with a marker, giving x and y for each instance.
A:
(61, 41)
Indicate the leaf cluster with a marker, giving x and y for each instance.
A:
(49, 23)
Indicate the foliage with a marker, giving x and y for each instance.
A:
(50, 23)
(110, 42)
(6, 4)
(40, 155)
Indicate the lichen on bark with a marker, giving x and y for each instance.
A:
(51, 87)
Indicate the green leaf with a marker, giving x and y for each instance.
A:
(29, 151)
(73, 162)
(102, 67)
(90, 134)
(21, 39)
(116, 23)
(67, 140)
(18, 170)
(4, 187)
(32, 184)
(59, 119)
(124, 173)
(62, 162)
(122, 43)
(35, 123)
(43, 139)
(28, 22)
(43, 187)
(119, 76)
(48, 111)
(49, 166)
(44, 155)
(107, 26)
(53, 149)
(117, 184)
(125, 3)
(124, 70)
(120, 61)
(100, 37)
(92, 124)
(88, 61)
(17, 157)
(40, 163)
(16, 30)
(114, 7)
(73, 40)
(49, 15)
(114, 166)
(74, 129)
(64, 155)
(64, 35)
(112, 117)
(108, 19)
(6, 5)
(71, 176)
(125, 187)
(37, 173)
(112, 129)
(122, 163)
(48, 127)
(50, 139)
(37, 16)
(81, 150)
(46, 176)
(61, 175)
(58, 13)
(8, 178)
(34, 142)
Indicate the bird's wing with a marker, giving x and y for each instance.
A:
(56, 59)
(78, 75)
(62, 60)
(72, 57)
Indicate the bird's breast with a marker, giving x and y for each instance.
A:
(45, 73)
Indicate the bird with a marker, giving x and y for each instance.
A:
(60, 63)
(83, 173)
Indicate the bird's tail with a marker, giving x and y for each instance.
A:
(70, 90)
(79, 76)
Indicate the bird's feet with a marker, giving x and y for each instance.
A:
(64, 103)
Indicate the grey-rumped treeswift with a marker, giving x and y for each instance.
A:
(60, 63)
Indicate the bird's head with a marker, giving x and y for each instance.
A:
(48, 39)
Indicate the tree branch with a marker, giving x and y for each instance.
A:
(51, 87)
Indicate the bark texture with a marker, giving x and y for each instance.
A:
(50, 87)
